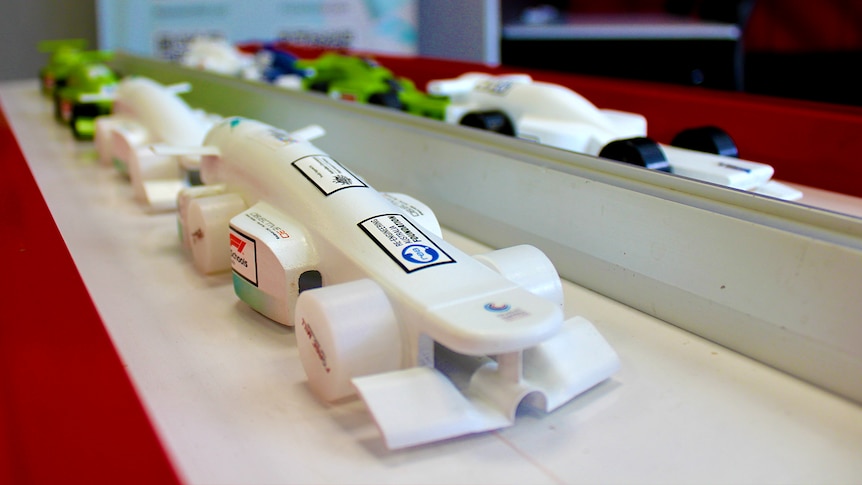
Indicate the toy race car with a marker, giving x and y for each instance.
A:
(216, 55)
(65, 54)
(352, 78)
(147, 113)
(87, 94)
(277, 66)
(382, 305)
(554, 115)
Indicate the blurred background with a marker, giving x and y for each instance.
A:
(798, 49)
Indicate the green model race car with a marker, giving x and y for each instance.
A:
(88, 93)
(364, 80)
(65, 56)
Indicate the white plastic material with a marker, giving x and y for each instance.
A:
(542, 112)
(557, 116)
(406, 416)
(207, 226)
(115, 137)
(184, 199)
(272, 261)
(216, 55)
(732, 172)
(778, 190)
(161, 195)
(146, 113)
(355, 333)
(390, 284)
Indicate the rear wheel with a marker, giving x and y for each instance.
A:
(495, 121)
(345, 331)
(208, 226)
(389, 99)
(709, 139)
(83, 127)
(83, 122)
(637, 151)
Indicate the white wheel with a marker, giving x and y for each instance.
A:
(145, 166)
(124, 141)
(529, 268)
(345, 331)
(103, 138)
(208, 227)
(184, 199)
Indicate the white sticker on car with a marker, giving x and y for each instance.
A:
(327, 174)
(404, 242)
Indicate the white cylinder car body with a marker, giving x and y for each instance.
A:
(371, 289)
(147, 113)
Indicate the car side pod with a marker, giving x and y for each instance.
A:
(421, 404)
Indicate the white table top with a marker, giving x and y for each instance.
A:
(226, 391)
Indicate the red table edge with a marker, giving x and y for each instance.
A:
(68, 409)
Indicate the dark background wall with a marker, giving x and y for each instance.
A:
(23, 23)
(792, 48)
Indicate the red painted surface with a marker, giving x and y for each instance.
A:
(68, 411)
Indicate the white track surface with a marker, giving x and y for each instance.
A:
(226, 391)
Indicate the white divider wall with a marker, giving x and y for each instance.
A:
(776, 281)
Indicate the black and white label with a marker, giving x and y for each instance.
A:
(327, 174)
(404, 242)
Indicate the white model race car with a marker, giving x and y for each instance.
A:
(437, 343)
(216, 55)
(147, 113)
(554, 115)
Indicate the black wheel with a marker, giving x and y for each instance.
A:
(495, 121)
(58, 111)
(87, 111)
(389, 99)
(709, 139)
(73, 123)
(46, 83)
(193, 177)
(319, 86)
(637, 151)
